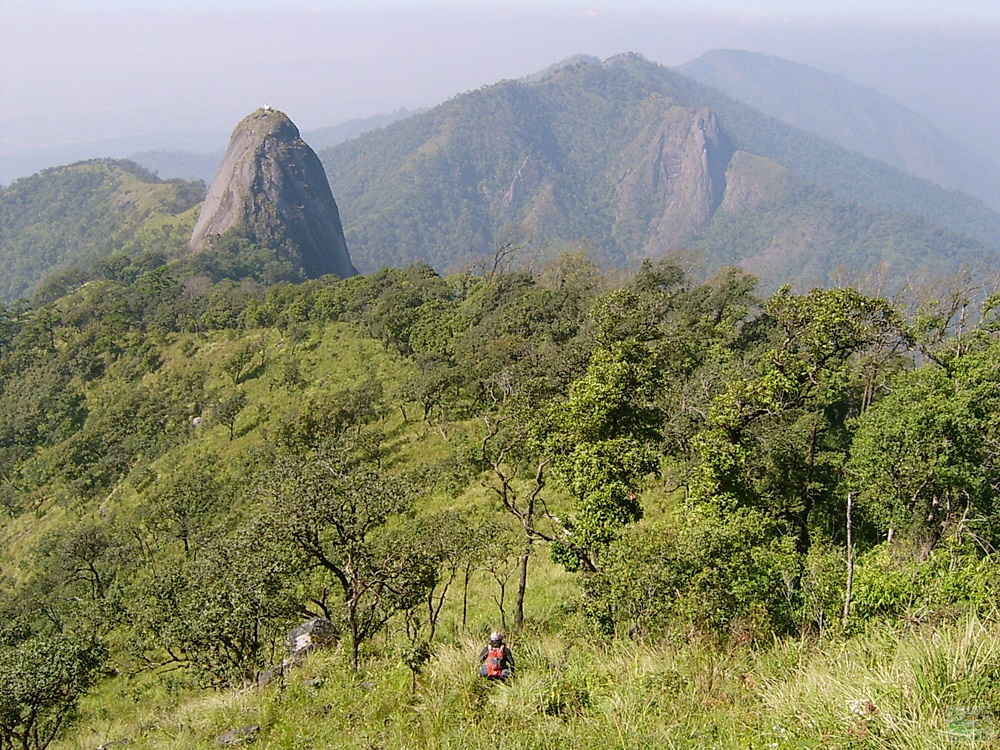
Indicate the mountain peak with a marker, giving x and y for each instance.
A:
(569, 62)
(271, 189)
(268, 121)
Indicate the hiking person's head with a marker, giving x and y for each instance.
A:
(496, 638)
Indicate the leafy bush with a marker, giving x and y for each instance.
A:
(41, 680)
(721, 576)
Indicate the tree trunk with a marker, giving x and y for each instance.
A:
(850, 560)
(522, 585)
(352, 622)
(465, 596)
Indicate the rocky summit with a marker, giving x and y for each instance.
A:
(271, 189)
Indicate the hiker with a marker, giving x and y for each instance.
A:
(496, 662)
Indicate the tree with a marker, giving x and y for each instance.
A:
(183, 503)
(601, 441)
(500, 555)
(503, 448)
(925, 462)
(777, 437)
(82, 559)
(229, 410)
(344, 514)
(222, 614)
(720, 574)
(450, 543)
(238, 364)
(41, 680)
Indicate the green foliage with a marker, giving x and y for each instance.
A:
(922, 461)
(346, 516)
(134, 424)
(229, 410)
(221, 614)
(552, 402)
(776, 438)
(950, 582)
(69, 217)
(599, 438)
(187, 505)
(723, 576)
(232, 256)
(41, 681)
(82, 559)
(239, 364)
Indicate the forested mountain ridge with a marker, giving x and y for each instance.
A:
(850, 175)
(651, 482)
(624, 157)
(635, 159)
(69, 217)
(854, 117)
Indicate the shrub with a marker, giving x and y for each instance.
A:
(720, 576)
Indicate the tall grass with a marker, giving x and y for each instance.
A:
(895, 688)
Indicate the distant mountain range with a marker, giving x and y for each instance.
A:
(194, 147)
(203, 166)
(640, 160)
(625, 157)
(855, 117)
(188, 157)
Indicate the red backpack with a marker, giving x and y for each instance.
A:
(495, 661)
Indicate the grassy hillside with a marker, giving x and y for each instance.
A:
(906, 688)
(68, 217)
(675, 497)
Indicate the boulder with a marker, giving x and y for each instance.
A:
(312, 633)
(238, 736)
(272, 190)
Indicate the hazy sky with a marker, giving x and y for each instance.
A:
(79, 70)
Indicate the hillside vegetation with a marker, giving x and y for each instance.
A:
(63, 219)
(637, 160)
(705, 518)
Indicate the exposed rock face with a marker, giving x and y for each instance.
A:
(315, 632)
(272, 189)
(672, 179)
(301, 640)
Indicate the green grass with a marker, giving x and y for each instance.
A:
(896, 688)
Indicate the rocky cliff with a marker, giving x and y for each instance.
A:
(272, 189)
(672, 179)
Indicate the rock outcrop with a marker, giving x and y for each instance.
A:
(301, 641)
(272, 189)
(671, 179)
(315, 632)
